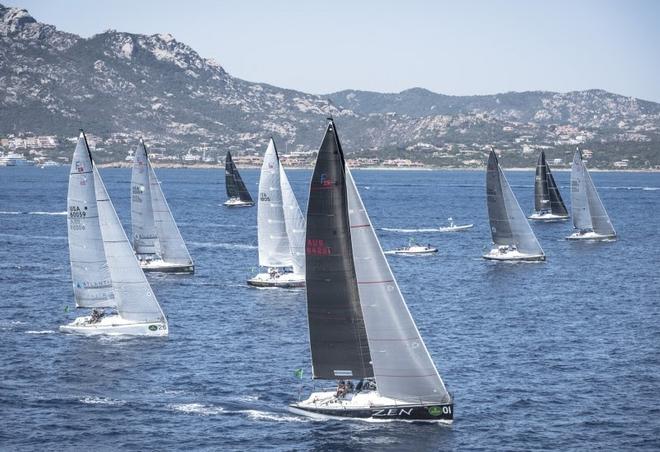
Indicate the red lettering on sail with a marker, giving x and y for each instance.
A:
(317, 247)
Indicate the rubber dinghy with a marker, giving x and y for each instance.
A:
(513, 238)
(104, 269)
(359, 324)
(280, 228)
(548, 204)
(157, 240)
(237, 193)
(590, 220)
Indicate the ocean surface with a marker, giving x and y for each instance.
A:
(563, 354)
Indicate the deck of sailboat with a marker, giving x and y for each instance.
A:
(283, 280)
(114, 325)
(512, 255)
(548, 217)
(592, 236)
(161, 266)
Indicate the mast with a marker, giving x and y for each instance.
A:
(338, 337)
(271, 229)
(92, 284)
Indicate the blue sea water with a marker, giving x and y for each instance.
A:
(557, 355)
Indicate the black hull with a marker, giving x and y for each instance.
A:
(183, 270)
(283, 285)
(410, 413)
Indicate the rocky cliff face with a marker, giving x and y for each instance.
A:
(118, 84)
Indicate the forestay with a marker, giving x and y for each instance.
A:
(135, 299)
(271, 229)
(294, 222)
(402, 365)
(92, 286)
(145, 238)
(172, 247)
(337, 332)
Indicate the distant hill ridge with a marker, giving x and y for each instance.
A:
(118, 85)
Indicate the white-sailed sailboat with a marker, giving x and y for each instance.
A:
(548, 205)
(513, 238)
(156, 238)
(359, 324)
(104, 269)
(280, 227)
(589, 216)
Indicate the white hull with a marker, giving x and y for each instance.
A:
(234, 202)
(413, 251)
(114, 325)
(457, 228)
(159, 265)
(547, 217)
(284, 280)
(497, 254)
(592, 236)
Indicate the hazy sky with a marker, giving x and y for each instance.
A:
(458, 47)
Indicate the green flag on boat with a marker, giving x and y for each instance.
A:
(298, 373)
(66, 308)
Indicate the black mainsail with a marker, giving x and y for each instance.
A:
(233, 182)
(338, 337)
(546, 193)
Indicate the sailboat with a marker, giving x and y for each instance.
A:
(280, 227)
(589, 216)
(156, 238)
(104, 269)
(548, 205)
(359, 325)
(236, 191)
(512, 236)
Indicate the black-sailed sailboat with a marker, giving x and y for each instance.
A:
(237, 193)
(360, 327)
(548, 205)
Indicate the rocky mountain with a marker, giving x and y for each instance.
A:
(119, 85)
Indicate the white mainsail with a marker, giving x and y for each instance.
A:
(145, 237)
(402, 365)
(295, 224)
(588, 210)
(271, 228)
(135, 300)
(172, 247)
(92, 286)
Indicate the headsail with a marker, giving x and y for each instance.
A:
(271, 230)
(92, 285)
(233, 182)
(588, 201)
(135, 299)
(295, 224)
(507, 220)
(172, 247)
(145, 238)
(402, 365)
(546, 193)
(337, 332)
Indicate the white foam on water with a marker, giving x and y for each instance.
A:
(32, 213)
(227, 246)
(95, 400)
(266, 416)
(40, 332)
(412, 230)
(197, 408)
(650, 188)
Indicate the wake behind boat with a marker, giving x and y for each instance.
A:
(104, 269)
(280, 228)
(589, 216)
(548, 204)
(156, 237)
(237, 193)
(513, 238)
(453, 227)
(359, 325)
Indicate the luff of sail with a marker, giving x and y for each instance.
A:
(508, 223)
(145, 238)
(295, 224)
(136, 301)
(402, 365)
(271, 229)
(92, 285)
(337, 332)
(173, 249)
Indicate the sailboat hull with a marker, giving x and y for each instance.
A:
(512, 255)
(592, 236)
(285, 280)
(371, 407)
(233, 202)
(114, 325)
(162, 266)
(547, 217)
